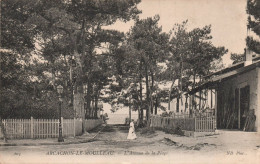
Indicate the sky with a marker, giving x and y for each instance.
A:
(228, 19)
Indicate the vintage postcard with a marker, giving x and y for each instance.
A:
(130, 81)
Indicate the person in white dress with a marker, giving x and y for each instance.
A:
(131, 133)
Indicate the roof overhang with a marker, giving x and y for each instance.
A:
(213, 82)
(236, 72)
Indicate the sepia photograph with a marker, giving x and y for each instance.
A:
(129, 81)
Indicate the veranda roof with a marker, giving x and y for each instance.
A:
(215, 80)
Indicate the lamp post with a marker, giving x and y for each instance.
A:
(60, 91)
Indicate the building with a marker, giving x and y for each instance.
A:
(233, 96)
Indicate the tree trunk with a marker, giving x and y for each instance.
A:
(156, 105)
(130, 113)
(93, 108)
(169, 97)
(179, 90)
(79, 80)
(200, 96)
(78, 105)
(88, 97)
(96, 106)
(141, 113)
(151, 104)
(71, 84)
(89, 82)
(151, 92)
(178, 105)
(180, 81)
(79, 59)
(147, 97)
(141, 116)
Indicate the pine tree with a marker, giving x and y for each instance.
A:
(150, 46)
(253, 9)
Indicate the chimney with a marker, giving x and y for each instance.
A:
(249, 59)
(248, 53)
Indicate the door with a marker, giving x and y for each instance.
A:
(220, 110)
(236, 110)
(244, 105)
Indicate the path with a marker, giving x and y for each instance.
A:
(111, 142)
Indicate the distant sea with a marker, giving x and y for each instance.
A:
(116, 118)
(119, 116)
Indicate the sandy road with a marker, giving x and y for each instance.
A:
(111, 142)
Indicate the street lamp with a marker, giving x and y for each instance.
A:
(60, 91)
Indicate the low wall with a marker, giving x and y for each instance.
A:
(78, 127)
(92, 123)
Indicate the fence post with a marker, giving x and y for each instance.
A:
(74, 124)
(31, 127)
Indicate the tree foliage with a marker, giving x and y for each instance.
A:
(146, 45)
(253, 9)
(55, 32)
(192, 54)
(237, 57)
(43, 37)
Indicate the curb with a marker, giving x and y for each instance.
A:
(40, 144)
(55, 143)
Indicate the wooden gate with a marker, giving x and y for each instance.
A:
(205, 124)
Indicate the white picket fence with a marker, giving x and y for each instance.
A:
(41, 128)
(205, 124)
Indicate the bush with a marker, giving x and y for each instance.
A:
(165, 114)
(176, 130)
(147, 130)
